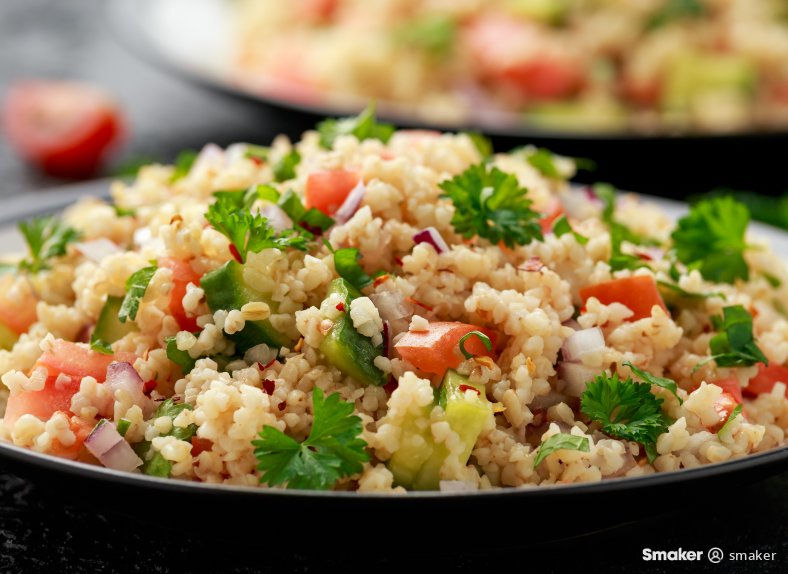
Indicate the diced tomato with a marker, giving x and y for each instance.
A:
(16, 313)
(766, 378)
(545, 78)
(317, 11)
(327, 189)
(437, 349)
(554, 211)
(200, 445)
(44, 403)
(639, 293)
(724, 406)
(64, 128)
(77, 361)
(182, 275)
(642, 92)
(81, 430)
(730, 386)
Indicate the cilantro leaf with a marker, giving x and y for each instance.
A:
(251, 232)
(654, 380)
(364, 127)
(284, 169)
(734, 345)
(346, 263)
(561, 227)
(183, 164)
(625, 410)
(136, 286)
(491, 204)
(561, 441)
(332, 450)
(711, 239)
(46, 237)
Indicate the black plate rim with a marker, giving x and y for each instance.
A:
(123, 17)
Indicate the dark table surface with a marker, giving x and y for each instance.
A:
(41, 531)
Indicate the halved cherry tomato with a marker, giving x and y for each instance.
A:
(639, 293)
(730, 386)
(327, 189)
(182, 275)
(55, 396)
(64, 128)
(764, 381)
(724, 406)
(437, 349)
(17, 312)
(553, 212)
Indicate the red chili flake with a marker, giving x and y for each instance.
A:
(282, 406)
(341, 306)
(380, 279)
(391, 386)
(413, 301)
(398, 261)
(533, 265)
(263, 367)
(464, 388)
(256, 159)
(200, 445)
(644, 256)
(148, 387)
(235, 253)
(269, 387)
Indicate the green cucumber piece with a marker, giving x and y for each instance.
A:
(345, 290)
(7, 337)
(352, 353)
(226, 289)
(690, 75)
(416, 448)
(548, 11)
(108, 327)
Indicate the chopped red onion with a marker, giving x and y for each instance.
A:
(97, 249)
(457, 486)
(277, 217)
(582, 342)
(124, 376)
(105, 443)
(575, 376)
(351, 204)
(433, 237)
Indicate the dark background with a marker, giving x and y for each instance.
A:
(43, 529)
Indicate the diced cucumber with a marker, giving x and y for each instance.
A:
(226, 289)
(108, 327)
(466, 412)
(692, 74)
(7, 337)
(344, 289)
(577, 116)
(416, 448)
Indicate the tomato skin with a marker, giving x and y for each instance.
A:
(317, 11)
(764, 381)
(76, 361)
(639, 293)
(544, 78)
(724, 406)
(200, 445)
(182, 275)
(44, 403)
(81, 430)
(327, 190)
(732, 387)
(18, 315)
(64, 128)
(554, 211)
(437, 349)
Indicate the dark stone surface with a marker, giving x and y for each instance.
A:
(39, 532)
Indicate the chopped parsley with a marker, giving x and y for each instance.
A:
(136, 286)
(543, 160)
(435, 35)
(123, 426)
(676, 290)
(170, 408)
(312, 219)
(561, 441)
(100, 346)
(284, 169)
(619, 233)
(124, 211)
(47, 238)
(491, 204)
(183, 164)
(479, 335)
(734, 345)
(181, 358)
(346, 263)
(673, 10)
(249, 232)
(332, 450)
(711, 239)
(726, 427)
(157, 465)
(482, 144)
(625, 410)
(654, 380)
(257, 152)
(364, 127)
(561, 227)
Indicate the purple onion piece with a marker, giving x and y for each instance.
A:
(120, 457)
(433, 237)
(102, 438)
(124, 376)
(351, 204)
(386, 338)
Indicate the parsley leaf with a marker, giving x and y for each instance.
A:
(332, 450)
(284, 169)
(561, 227)
(711, 239)
(619, 233)
(543, 160)
(312, 219)
(676, 290)
(654, 380)
(561, 441)
(491, 204)
(124, 211)
(364, 127)
(734, 345)
(725, 428)
(346, 263)
(181, 358)
(46, 237)
(100, 346)
(170, 408)
(136, 286)
(625, 410)
(183, 164)
(251, 232)
(482, 144)
(157, 465)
